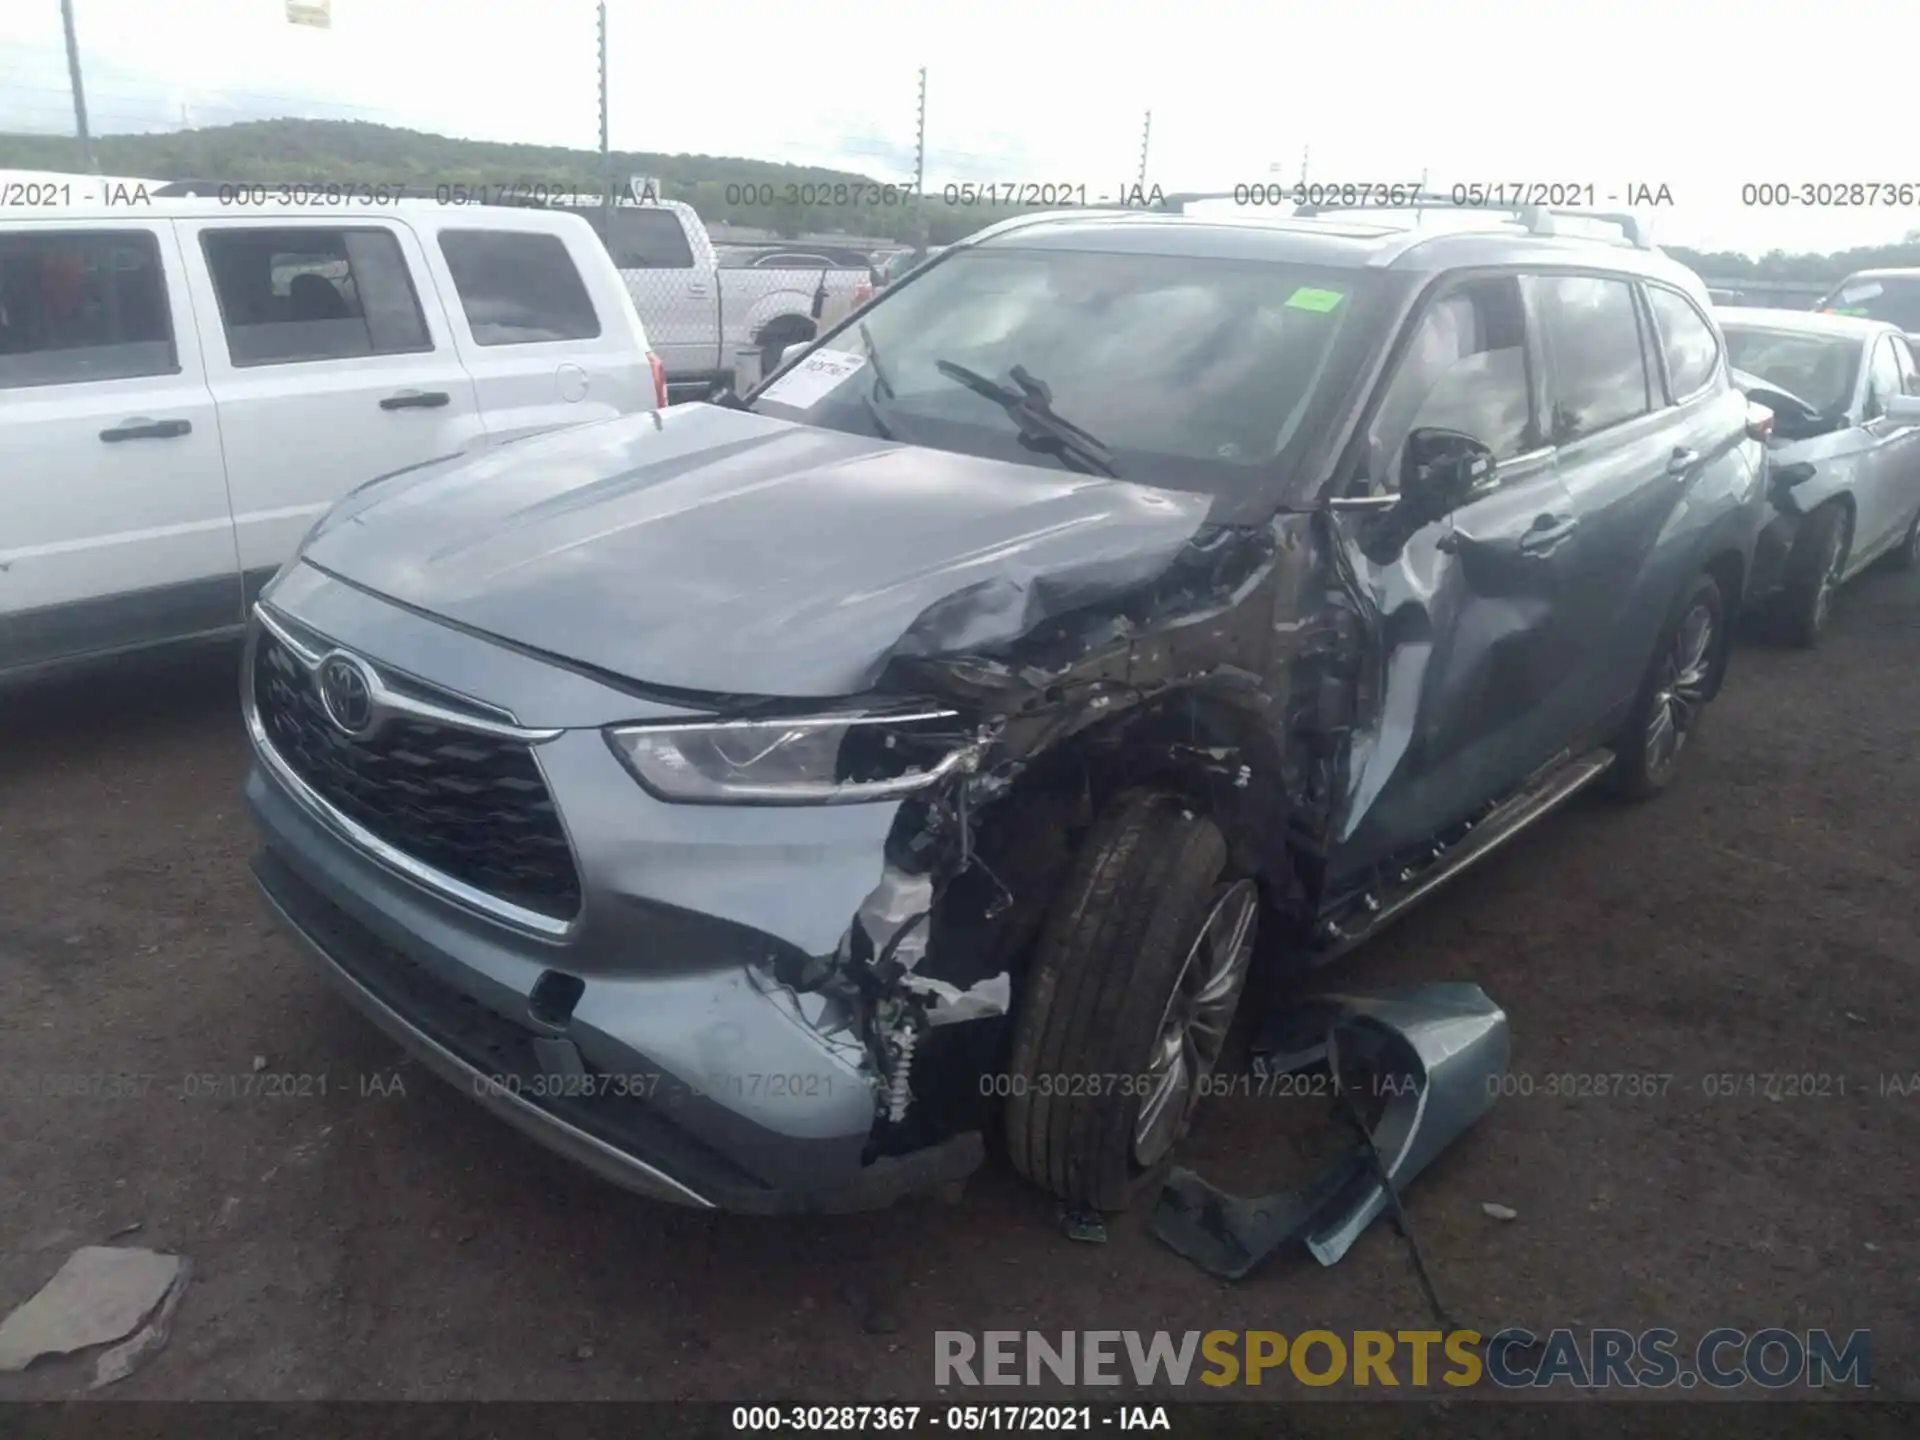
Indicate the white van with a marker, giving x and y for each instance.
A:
(187, 385)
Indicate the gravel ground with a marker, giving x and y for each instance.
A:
(387, 1239)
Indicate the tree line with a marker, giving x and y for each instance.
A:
(789, 200)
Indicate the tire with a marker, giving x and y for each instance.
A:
(1680, 680)
(1119, 960)
(1813, 572)
(1907, 556)
(778, 339)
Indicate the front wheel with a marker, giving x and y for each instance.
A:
(774, 343)
(1128, 1001)
(1674, 693)
(1814, 567)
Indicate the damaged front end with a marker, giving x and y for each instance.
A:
(1185, 684)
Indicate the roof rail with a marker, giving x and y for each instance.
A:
(1537, 219)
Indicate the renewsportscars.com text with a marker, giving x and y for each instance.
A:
(1513, 1358)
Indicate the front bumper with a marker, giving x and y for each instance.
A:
(679, 1069)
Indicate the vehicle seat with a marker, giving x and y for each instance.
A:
(315, 298)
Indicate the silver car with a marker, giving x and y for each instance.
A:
(1845, 455)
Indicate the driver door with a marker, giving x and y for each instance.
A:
(1471, 606)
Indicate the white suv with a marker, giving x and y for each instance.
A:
(187, 385)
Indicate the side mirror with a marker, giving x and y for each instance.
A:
(787, 355)
(1439, 470)
(1903, 409)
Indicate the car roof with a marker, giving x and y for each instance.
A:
(1804, 322)
(171, 207)
(1890, 272)
(1417, 242)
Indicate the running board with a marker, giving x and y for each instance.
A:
(1542, 797)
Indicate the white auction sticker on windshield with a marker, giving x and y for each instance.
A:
(809, 381)
(1854, 294)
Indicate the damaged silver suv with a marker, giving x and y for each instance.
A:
(764, 802)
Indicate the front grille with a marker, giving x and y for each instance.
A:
(475, 807)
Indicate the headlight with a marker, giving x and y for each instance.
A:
(814, 760)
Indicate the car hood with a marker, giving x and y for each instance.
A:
(711, 549)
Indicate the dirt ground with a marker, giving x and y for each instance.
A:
(1758, 920)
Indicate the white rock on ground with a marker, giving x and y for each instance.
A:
(100, 1295)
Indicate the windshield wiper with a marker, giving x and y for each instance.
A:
(1031, 410)
(880, 380)
(871, 399)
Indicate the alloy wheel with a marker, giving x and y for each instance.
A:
(1193, 1027)
(1835, 560)
(1682, 695)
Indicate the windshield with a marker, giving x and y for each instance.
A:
(1891, 299)
(1819, 369)
(1193, 374)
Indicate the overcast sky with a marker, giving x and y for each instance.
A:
(1653, 92)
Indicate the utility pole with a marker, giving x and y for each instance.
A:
(1146, 135)
(920, 166)
(79, 91)
(1305, 152)
(606, 157)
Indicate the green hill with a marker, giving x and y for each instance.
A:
(790, 199)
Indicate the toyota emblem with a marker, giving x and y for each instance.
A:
(346, 693)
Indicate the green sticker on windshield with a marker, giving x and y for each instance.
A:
(1318, 301)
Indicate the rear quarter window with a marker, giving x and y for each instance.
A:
(1686, 340)
(518, 288)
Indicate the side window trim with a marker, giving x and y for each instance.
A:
(358, 224)
(1354, 453)
(1653, 349)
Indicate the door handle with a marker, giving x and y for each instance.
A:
(141, 428)
(416, 400)
(1547, 533)
(1682, 460)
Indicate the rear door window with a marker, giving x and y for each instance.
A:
(518, 288)
(313, 293)
(1596, 361)
(1691, 351)
(79, 305)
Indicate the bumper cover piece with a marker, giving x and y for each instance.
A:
(1431, 1050)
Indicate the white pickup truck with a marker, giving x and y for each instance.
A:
(700, 314)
